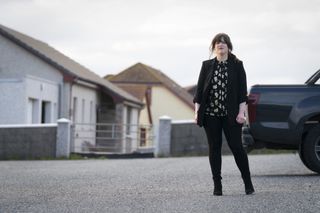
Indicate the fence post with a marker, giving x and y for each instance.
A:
(63, 138)
(163, 148)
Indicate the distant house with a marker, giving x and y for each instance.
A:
(160, 94)
(39, 84)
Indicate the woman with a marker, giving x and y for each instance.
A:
(220, 102)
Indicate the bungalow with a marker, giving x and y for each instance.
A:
(39, 84)
(161, 95)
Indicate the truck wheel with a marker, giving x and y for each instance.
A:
(311, 149)
(302, 157)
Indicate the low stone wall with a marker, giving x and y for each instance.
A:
(183, 138)
(188, 139)
(28, 142)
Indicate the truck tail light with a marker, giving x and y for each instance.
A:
(253, 100)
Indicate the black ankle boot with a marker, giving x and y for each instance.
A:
(248, 186)
(217, 191)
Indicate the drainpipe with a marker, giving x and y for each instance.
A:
(148, 100)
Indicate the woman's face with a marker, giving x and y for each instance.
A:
(221, 47)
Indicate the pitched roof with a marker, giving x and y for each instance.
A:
(140, 73)
(63, 63)
(138, 91)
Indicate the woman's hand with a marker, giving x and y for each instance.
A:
(241, 118)
(196, 108)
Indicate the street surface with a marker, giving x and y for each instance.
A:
(281, 181)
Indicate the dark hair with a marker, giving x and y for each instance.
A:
(218, 38)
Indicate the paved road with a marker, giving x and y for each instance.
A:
(282, 183)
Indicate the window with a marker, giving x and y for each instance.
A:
(143, 136)
(75, 109)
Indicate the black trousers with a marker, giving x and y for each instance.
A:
(213, 127)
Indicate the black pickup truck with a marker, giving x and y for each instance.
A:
(286, 117)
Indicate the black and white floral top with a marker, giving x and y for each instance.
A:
(216, 102)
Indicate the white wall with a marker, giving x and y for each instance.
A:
(41, 91)
(17, 63)
(12, 97)
(134, 128)
(24, 76)
(131, 138)
(85, 95)
(84, 115)
(164, 102)
(21, 100)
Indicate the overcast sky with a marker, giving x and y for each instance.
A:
(278, 40)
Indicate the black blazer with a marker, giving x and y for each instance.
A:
(236, 88)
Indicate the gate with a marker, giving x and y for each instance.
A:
(111, 138)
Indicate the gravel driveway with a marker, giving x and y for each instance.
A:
(282, 184)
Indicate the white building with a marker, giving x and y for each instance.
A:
(39, 84)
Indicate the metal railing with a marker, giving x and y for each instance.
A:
(111, 138)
